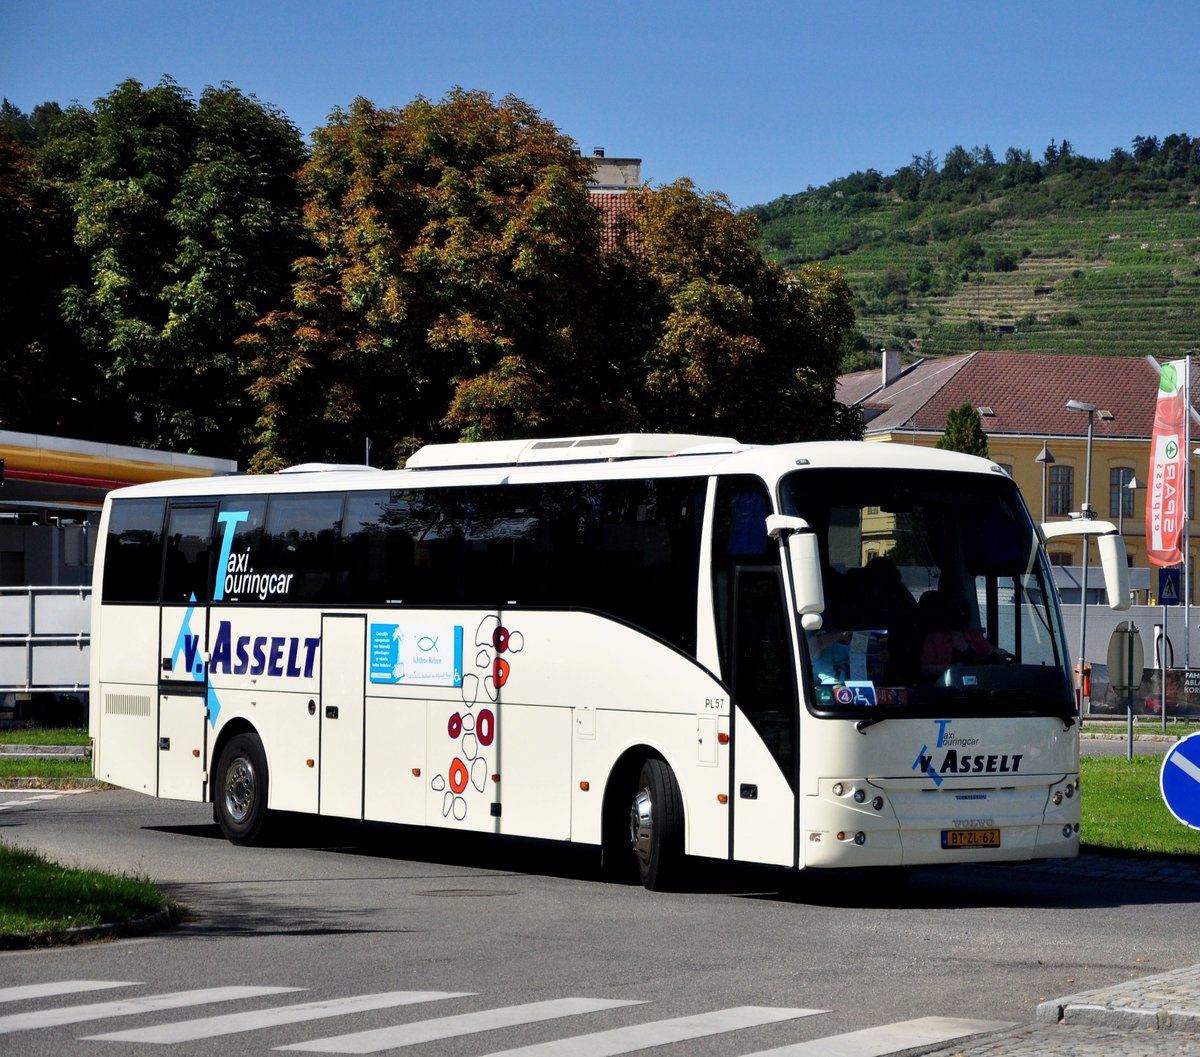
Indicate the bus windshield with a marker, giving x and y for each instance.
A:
(937, 596)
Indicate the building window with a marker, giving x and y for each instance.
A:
(1062, 490)
(1060, 558)
(1006, 467)
(1120, 495)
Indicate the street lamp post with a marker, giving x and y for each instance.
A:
(1045, 458)
(1086, 513)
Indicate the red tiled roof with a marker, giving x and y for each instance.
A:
(1028, 393)
(616, 221)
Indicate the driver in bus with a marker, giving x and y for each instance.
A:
(956, 643)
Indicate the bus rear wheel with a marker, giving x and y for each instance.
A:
(656, 826)
(240, 797)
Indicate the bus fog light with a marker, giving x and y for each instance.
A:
(838, 789)
(859, 796)
(1070, 790)
(1066, 831)
(1057, 797)
(877, 803)
(860, 838)
(1076, 827)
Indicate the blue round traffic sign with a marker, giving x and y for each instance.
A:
(1179, 781)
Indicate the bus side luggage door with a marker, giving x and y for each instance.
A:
(343, 688)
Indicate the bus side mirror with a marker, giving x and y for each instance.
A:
(804, 562)
(1112, 554)
(1116, 570)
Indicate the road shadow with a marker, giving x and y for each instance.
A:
(1090, 882)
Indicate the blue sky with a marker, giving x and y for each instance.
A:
(755, 98)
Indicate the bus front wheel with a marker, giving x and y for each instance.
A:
(241, 792)
(656, 826)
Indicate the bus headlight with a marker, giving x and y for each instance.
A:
(1057, 797)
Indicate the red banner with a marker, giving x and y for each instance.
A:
(1168, 464)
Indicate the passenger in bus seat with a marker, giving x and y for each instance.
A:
(954, 642)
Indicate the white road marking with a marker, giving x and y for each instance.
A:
(50, 1018)
(232, 1023)
(887, 1038)
(451, 1027)
(871, 1042)
(658, 1033)
(62, 987)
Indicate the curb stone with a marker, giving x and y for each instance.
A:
(160, 919)
(1165, 1002)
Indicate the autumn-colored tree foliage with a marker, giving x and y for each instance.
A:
(740, 347)
(457, 254)
(459, 291)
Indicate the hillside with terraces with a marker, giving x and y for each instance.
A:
(1068, 255)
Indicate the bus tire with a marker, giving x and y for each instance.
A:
(240, 797)
(656, 826)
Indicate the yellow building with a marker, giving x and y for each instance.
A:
(1022, 400)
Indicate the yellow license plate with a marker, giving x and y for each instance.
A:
(970, 838)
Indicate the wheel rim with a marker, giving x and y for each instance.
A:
(241, 786)
(641, 826)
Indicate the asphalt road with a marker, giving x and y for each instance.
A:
(479, 926)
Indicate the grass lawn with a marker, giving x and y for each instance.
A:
(58, 772)
(1123, 809)
(44, 736)
(42, 896)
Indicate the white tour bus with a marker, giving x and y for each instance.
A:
(812, 655)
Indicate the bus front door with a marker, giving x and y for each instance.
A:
(190, 565)
(764, 697)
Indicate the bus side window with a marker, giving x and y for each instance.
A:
(300, 543)
(188, 573)
(376, 549)
(133, 554)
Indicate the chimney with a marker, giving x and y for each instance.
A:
(891, 366)
(597, 152)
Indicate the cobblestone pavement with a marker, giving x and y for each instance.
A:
(1154, 1016)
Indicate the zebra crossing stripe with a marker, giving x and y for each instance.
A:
(888, 1038)
(50, 1018)
(232, 1023)
(658, 1033)
(451, 1027)
(61, 987)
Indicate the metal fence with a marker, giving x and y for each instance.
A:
(45, 635)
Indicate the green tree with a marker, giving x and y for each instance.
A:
(964, 432)
(188, 218)
(50, 384)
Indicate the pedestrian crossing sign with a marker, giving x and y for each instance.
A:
(1168, 586)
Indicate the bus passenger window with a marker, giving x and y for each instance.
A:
(188, 575)
(133, 554)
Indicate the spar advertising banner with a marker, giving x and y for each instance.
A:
(1168, 464)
